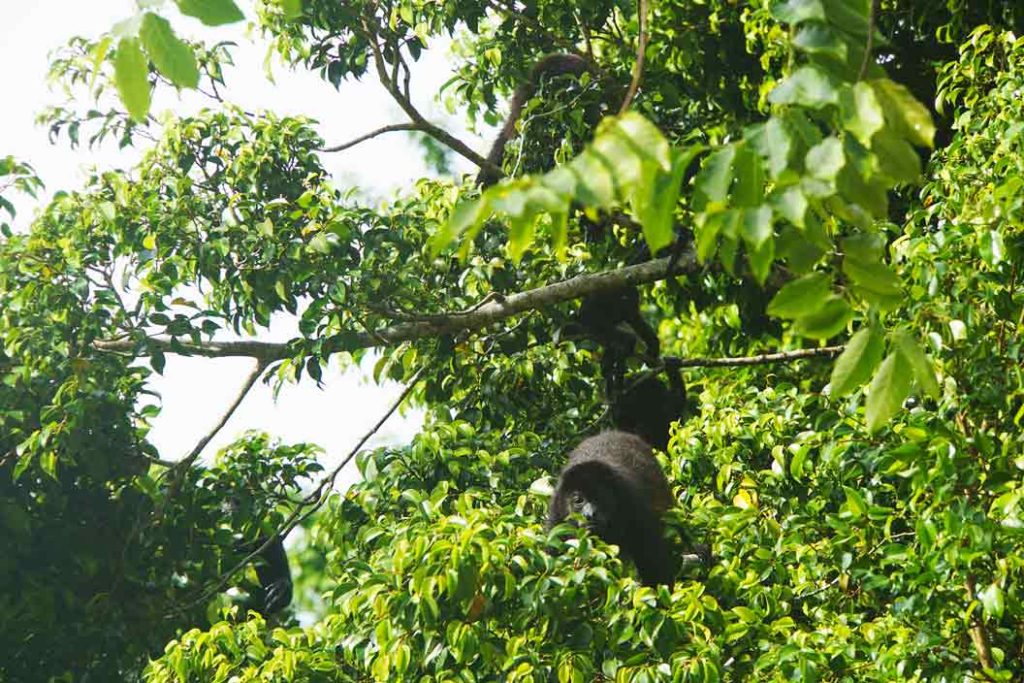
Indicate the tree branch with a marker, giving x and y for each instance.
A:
(363, 138)
(494, 308)
(979, 636)
(436, 132)
(781, 356)
(315, 500)
(641, 49)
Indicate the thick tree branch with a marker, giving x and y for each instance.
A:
(779, 357)
(372, 134)
(494, 308)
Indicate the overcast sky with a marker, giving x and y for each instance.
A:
(196, 391)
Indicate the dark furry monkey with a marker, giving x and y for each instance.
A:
(613, 481)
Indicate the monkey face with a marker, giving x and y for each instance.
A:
(598, 509)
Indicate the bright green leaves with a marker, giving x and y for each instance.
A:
(808, 86)
(801, 297)
(858, 360)
(861, 112)
(894, 378)
(628, 162)
(212, 12)
(889, 387)
(171, 56)
(905, 115)
(131, 75)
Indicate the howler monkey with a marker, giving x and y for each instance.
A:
(613, 320)
(275, 590)
(614, 482)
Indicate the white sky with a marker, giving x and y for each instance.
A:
(196, 391)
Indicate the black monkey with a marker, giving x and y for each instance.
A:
(275, 577)
(614, 482)
(552, 65)
(613, 319)
(647, 408)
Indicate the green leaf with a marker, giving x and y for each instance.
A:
(99, 53)
(797, 11)
(829, 320)
(855, 502)
(889, 387)
(211, 12)
(292, 9)
(791, 204)
(808, 86)
(756, 227)
(131, 75)
(171, 56)
(992, 601)
(819, 39)
(749, 173)
(849, 15)
(922, 366)
(656, 196)
(860, 111)
(773, 141)
(907, 117)
(826, 159)
(896, 158)
(715, 178)
(800, 297)
(857, 361)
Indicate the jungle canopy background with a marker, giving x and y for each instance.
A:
(839, 186)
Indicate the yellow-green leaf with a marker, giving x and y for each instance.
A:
(131, 76)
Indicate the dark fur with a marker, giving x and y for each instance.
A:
(548, 67)
(648, 408)
(614, 321)
(615, 477)
(275, 590)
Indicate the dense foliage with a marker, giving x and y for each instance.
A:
(865, 510)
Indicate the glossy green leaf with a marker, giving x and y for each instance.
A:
(908, 117)
(858, 360)
(211, 12)
(797, 11)
(861, 112)
(826, 159)
(715, 178)
(131, 75)
(809, 86)
(801, 297)
(171, 56)
(820, 39)
(992, 600)
(889, 387)
(897, 158)
(922, 367)
(827, 321)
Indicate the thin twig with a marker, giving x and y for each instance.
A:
(407, 106)
(869, 44)
(250, 380)
(315, 500)
(780, 356)
(372, 134)
(641, 49)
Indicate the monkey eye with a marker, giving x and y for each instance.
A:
(576, 500)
